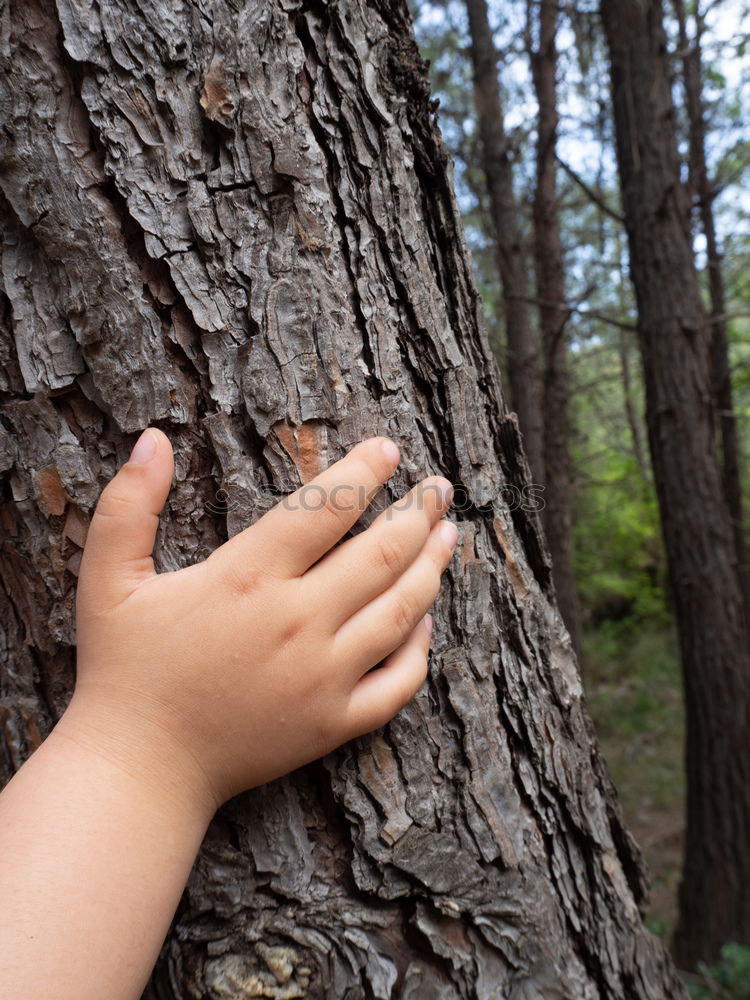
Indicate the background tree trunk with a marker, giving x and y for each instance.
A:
(675, 344)
(524, 362)
(237, 223)
(554, 316)
(701, 189)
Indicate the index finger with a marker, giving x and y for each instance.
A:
(303, 526)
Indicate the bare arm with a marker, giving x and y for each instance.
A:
(93, 859)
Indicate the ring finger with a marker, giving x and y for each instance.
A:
(381, 626)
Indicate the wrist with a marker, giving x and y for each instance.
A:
(98, 833)
(136, 743)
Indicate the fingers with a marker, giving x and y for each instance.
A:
(383, 692)
(302, 527)
(120, 540)
(384, 624)
(366, 565)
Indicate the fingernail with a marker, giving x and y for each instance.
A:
(446, 492)
(449, 533)
(144, 449)
(427, 621)
(391, 452)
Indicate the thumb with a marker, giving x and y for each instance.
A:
(120, 540)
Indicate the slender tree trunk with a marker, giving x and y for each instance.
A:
(554, 315)
(524, 356)
(631, 413)
(237, 223)
(675, 344)
(703, 192)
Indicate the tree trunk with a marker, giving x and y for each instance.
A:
(633, 411)
(554, 315)
(524, 360)
(675, 342)
(237, 223)
(703, 192)
(631, 414)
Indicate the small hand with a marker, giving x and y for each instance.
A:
(243, 667)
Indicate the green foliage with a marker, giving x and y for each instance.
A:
(619, 558)
(716, 78)
(633, 692)
(632, 681)
(657, 926)
(729, 979)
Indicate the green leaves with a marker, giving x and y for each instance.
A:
(729, 979)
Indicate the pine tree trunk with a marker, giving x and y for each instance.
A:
(554, 316)
(524, 362)
(702, 190)
(237, 223)
(631, 413)
(675, 345)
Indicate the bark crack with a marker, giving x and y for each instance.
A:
(332, 169)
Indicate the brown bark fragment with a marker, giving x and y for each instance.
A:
(49, 491)
(305, 445)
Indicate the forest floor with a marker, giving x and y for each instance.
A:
(633, 690)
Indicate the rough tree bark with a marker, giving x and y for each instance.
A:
(553, 314)
(675, 341)
(524, 362)
(236, 222)
(702, 190)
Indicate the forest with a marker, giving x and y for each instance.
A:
(513, 236)
(528, 105)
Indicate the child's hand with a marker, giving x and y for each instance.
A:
(240, 668)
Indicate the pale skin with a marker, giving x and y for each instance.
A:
(193, 686)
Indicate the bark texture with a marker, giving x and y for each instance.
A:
(524, 359)
(675, 344)
(236, 221)
(553, 316)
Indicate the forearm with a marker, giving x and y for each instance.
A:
(95, 851)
